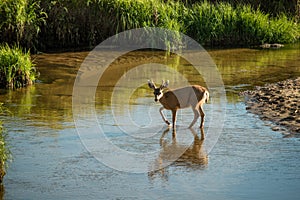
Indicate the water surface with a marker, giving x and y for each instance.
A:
(250, 161)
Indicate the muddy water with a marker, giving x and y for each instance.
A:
(249, 161)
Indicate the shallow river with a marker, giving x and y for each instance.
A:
(52, 160)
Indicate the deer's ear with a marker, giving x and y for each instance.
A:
(167, 83)
(164, 84)
(151, 84)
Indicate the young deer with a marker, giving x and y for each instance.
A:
(194, 96)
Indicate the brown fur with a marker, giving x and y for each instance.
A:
(190, 96)
(170, 101)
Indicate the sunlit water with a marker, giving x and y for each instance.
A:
(249, 161)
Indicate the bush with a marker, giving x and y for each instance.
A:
(16, 67)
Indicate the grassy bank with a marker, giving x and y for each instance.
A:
(272, 7)
(16, 67)
(224, 25)
(65, 24)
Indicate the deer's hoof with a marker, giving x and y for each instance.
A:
(168, 123)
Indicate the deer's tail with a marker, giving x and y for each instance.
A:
(206, 96)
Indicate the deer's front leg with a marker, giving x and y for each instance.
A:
(163, 116)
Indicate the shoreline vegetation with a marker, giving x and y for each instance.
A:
(52, 25)
(16, 67)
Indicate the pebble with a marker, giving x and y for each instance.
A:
(276, 128)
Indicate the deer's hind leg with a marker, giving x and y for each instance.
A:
(202, 116)
(196, 116)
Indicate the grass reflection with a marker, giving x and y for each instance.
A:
(50, 102)
(257, 67)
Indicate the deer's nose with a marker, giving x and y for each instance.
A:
(155, 99)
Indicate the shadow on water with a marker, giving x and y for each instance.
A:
(192, 156)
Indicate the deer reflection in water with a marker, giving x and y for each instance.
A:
(175, 154)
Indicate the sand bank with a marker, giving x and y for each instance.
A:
(278, 103)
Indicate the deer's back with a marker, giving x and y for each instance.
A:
(182, 97)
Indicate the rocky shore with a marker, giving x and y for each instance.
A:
(278, 103)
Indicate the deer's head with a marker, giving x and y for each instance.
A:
(157, 91)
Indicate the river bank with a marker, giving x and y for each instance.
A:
(278, 103)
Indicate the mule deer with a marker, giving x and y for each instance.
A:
(194, 96)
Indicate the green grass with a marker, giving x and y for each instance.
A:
(219, 24)
(16, 67)
(65, 24)
(21, 21)
(224, 25)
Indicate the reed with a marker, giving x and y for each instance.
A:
(88, 22)
(225, 25)
(211, 24)
(20, 21)
(16, 67)
(77, 24)
(274, 8)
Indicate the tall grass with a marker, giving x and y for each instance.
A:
(222, 24)
(81, 23)
(217, 24)
(16, 67)
(20, 21)
(272, 7)
(85, 23)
